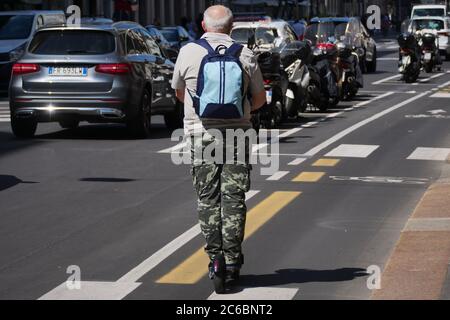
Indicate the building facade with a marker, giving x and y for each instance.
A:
(167, 12)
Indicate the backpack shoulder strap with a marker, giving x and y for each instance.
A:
(234, 50)
(203, 43)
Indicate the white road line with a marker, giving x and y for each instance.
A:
(297, 161)
(178, 147)
(262, 293)
(147, 265)
(444, 84)
(440, 95)
(5, 120)
(431, 154)
(355, 127)
(387, 79)
(289, 133)
(432, 77)
(352, 151)
(387, 59)
(127, 283)
(277, 175)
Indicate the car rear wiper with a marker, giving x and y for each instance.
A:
(79, 52)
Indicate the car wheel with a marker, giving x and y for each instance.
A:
(23, 128)
(174, 119)
(372, 66)
(140, 125)
(69, 124)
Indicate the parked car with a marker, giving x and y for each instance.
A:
(268, 34)
(177, 36)
(16, 30)
(107, 73)
(441, 25)
(429, 10)
(165, 45)
(349, 29)
(96, 21)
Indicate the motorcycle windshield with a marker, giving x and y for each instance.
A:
(324, 32)
(265, 36)
(406, 27)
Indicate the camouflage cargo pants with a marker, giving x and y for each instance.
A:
(222, 211)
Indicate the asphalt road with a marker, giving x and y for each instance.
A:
(115, 207)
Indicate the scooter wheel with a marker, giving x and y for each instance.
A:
(219, 269)
(219, 284)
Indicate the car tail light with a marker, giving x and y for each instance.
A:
(25, 68)
(113, 68)
(267, 81)
(325, 46)
(405, 51)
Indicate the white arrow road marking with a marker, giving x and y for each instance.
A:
(439, 111)
(392, 180)
(264, 293)
(94, 290)
(431, 154)
(352, 151)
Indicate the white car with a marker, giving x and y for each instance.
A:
(440, 25)
(268, 33)
(429, 10)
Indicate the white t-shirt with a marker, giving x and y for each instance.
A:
(185, 77)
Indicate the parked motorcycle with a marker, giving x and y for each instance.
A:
(410, 57)
(431, 58)
(350, 74)
(296, 58)
(275, 83)
(324, 66)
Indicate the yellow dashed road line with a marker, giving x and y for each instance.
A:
(326, 163)
(309, 177)
(192, 269)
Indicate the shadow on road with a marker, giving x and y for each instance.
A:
(112, 180)
(292, 276)
(103, 132)
(7, 182)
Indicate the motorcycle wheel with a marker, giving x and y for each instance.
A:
(428, 68)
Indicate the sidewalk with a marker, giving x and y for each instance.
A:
(419, 265)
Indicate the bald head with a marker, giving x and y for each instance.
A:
(218, 19)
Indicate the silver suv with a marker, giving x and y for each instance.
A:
(106, 73)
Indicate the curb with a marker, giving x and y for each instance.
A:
(418, 268)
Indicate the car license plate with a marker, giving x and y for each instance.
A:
(428, 56)
(269, 96)
(68, 71)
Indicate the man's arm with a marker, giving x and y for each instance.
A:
(258, 100)
(180, 94)
(178, 83)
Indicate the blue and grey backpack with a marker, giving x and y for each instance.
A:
(220, 87)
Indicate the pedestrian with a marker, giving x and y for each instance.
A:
(299, 28)
(220, 187)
